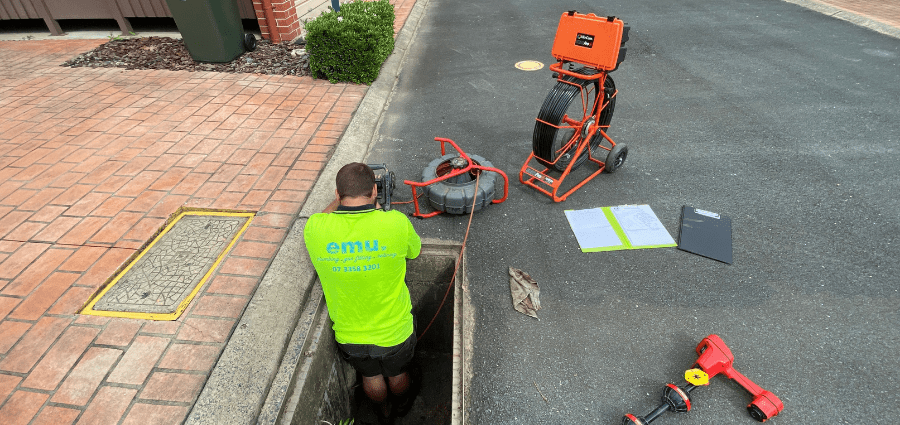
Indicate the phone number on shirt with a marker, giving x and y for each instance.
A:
(355, 268)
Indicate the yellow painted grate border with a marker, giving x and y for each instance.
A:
(178, 215)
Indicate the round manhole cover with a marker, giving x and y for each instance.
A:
(529, 65)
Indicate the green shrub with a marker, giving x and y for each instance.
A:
(351, 45)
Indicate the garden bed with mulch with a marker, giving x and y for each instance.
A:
(170, 53)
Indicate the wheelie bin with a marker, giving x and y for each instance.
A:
(211, 29)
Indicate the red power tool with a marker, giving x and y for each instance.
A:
(715, 358)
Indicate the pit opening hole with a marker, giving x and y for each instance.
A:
(428, 278)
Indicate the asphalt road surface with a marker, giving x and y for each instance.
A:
(781, 118)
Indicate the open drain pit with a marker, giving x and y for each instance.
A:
(320, 386)
(428, 278)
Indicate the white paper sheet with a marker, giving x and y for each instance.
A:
(592, 229)
(641, 225)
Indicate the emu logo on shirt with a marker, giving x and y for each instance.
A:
(352, 247)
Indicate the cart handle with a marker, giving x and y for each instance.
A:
(558, 67)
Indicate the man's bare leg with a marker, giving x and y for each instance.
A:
(375, 388)
(377, 391)
(399, 384)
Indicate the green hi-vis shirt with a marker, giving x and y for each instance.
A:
(360, 257)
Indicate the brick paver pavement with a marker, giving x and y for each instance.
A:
(884, 11)
(92, 162)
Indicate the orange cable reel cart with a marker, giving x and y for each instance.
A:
(571, 125)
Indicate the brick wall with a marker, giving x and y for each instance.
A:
(287, 23)
(289, 16)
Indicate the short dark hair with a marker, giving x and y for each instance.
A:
(355, 179)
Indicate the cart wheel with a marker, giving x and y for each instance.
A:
(567, 105)
(616, 157)
(249, 42)
(456, 195)
(756, 413)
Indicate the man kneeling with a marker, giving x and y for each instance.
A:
(359, 252)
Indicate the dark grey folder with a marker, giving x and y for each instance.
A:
(705, 233)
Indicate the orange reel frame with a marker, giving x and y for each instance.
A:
(594, 42)
(455, 172)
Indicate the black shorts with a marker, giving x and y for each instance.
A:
(372, 360)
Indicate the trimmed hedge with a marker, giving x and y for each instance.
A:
(351, 45)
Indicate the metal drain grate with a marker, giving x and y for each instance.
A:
(162, 279)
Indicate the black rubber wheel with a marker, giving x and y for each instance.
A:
(615, 159)
(756, 413)
(565, 100)
(456, 196)
(249, 42)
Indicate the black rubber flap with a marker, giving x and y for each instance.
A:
(705, 233)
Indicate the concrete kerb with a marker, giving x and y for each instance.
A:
(848, 16)
(247, 372)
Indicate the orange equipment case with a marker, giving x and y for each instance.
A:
(590, 40)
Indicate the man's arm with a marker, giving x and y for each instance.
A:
(414, 244)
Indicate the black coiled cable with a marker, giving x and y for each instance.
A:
(547, 139)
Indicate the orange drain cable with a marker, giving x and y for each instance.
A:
(458, 259)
